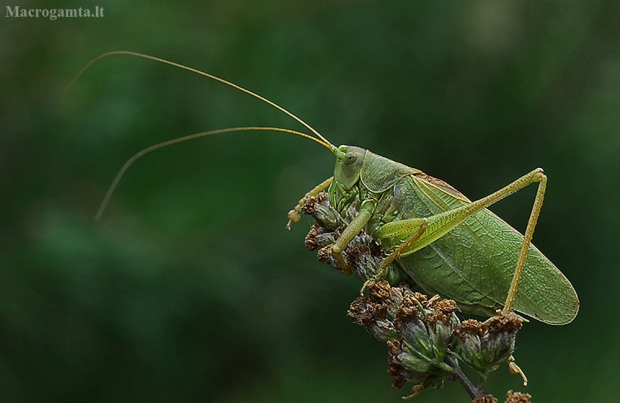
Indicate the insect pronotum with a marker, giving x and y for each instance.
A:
(444, 242)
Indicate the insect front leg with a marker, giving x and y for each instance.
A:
(294, 214)
(354, 228)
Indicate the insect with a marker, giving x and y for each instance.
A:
(444, 242)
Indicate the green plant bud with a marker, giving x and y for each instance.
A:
(426, 325)
(363, 257)
(323, 213)
(406, 367)
(470, 344)
(486, 345)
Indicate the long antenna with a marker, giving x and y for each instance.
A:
(202, 73)
(317, 136)
(154, 147)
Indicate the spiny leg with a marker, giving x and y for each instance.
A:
(401, 227)
(294, 214)
(536, 175)
(442, 223)
(540, 177)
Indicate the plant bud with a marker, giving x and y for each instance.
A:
(486, 345)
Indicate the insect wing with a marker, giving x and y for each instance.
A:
(474, 263)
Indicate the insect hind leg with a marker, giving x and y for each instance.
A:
(536, 176)
(419, 225)
(440, 224)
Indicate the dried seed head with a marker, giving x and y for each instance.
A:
(470, 326)
(442, 312)
(484, 399)
(311, 241)
(509, 323)
(396, 371)
(486, 345)
(325, 256)
(380, 290)
(374, 317)
(518, 397)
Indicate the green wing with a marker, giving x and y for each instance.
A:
(474, 262)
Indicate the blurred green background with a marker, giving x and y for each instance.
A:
(190, 288)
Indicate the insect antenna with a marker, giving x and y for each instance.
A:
(166, 143)
(202, 73)
(317, 137)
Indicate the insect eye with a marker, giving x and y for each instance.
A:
(350, 158)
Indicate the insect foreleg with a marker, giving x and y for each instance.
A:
(354, 227)
(294, 214)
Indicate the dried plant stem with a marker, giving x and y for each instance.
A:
(472, 390)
